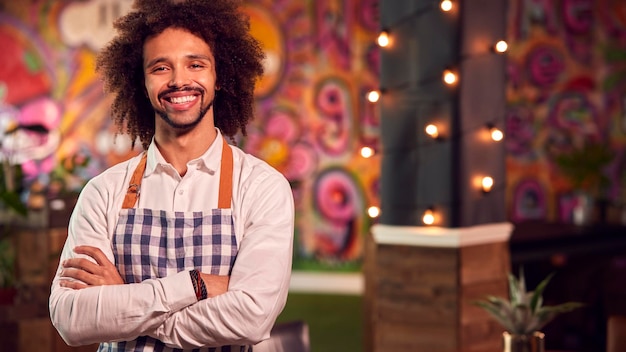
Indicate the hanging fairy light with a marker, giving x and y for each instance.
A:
(496, 135)
(449, 77)
(429, 216)
(367, 152)
(432, 131)
(486, 184)
(501, 47)
(383, 39)
(373, 212)
(446, 5)
(373, 96)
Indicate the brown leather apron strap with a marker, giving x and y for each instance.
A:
(135, 183)
(226, 177)
(226, 180)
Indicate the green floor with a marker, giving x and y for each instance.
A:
(335, 321)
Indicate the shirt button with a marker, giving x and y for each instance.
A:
(180, 191)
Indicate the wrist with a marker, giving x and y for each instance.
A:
(199, 286)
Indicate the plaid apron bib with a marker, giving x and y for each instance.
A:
(150, 244)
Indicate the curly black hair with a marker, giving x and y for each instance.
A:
(238, 61)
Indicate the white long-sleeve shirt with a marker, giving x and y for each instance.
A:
(167, 308)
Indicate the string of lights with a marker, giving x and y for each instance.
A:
(384, 38)
(437, 129)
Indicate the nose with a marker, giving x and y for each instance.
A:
(178, 79)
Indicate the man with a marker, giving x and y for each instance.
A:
(188, 245)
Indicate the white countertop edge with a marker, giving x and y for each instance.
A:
(432, 236)
(327, 283)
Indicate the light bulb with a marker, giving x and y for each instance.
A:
(373, 96)
(373, 212)
(446, 5)
(487, 184)
(449, 77)
(367, 152)
(432, 131)
(383, 39)
(501, 46)
(429, 217)
(496, 134)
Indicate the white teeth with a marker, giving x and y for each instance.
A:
(182, 100)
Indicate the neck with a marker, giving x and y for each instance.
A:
(179, 148)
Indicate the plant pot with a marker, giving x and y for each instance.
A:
(523, 343)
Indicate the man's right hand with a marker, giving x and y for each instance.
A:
(215, 284)
(103, 272)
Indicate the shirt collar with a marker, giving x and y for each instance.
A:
(208, 162)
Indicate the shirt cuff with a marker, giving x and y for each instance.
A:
(178, 291)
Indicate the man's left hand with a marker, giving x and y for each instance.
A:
(103, 272)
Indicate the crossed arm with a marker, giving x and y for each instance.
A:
(90, 302)
(102, 272)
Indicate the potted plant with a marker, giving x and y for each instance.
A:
(584, 167)
(523, 314)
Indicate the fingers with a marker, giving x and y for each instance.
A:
(103, 272)
(91, 276)
(95, 253)
(72, 284)
(81, 264)
(79, 274)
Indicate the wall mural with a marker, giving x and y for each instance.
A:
(566, 89)
(312, 118)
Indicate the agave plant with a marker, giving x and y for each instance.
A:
(524, 313)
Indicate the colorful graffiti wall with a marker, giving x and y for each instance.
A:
(566, 90)
(311, 124)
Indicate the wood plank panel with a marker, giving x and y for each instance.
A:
(421, 298)
(403, 337)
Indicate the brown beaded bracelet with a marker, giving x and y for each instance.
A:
(198, 285)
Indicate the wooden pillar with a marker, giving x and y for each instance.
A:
(421, 283)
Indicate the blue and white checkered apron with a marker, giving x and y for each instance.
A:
(150, 244)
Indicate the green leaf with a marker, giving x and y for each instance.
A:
(497, 309)
(12, 201)
(535, 301)
(514, 289)
(523, 312)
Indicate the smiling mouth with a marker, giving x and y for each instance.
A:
(181, 100)
(182, 96)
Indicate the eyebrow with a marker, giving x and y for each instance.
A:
(190, 57)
